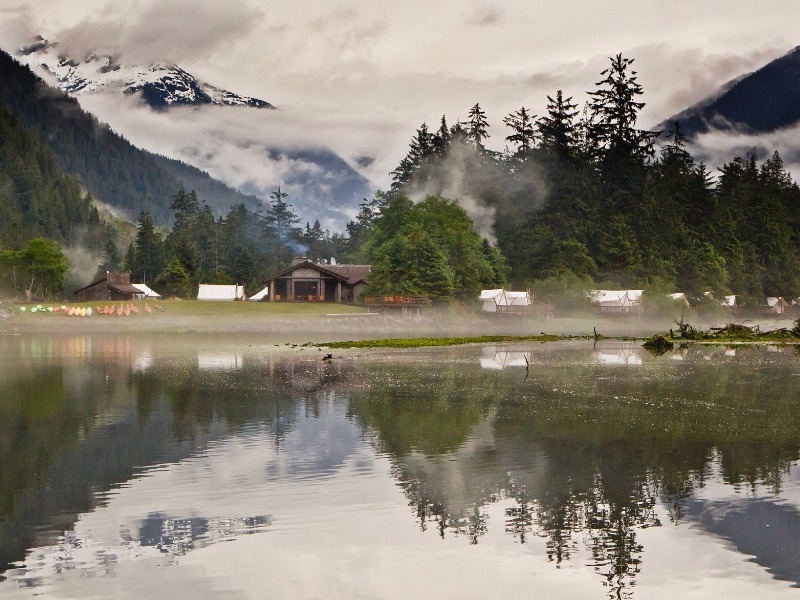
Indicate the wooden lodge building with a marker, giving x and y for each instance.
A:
(306, 281)
(114, 286)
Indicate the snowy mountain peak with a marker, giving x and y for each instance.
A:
(160, 85)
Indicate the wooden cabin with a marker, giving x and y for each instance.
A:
(307, 281)
(114, 286)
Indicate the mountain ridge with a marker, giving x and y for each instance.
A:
(762, 101)
(161, 86)
(109, 166)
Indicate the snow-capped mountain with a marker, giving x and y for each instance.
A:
(160, 85)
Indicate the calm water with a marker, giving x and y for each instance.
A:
(229, 468)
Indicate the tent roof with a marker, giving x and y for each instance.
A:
(220, 292)
(773, 301)
(616, 296)
(147, 291)
(490, 294)
(259, 295)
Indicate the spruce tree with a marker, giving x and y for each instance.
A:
(523, 133)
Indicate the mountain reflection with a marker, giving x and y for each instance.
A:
(80, 416)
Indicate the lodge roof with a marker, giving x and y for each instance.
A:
(350, 274)
(354, 273)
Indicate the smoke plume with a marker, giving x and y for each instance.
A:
(482, 186)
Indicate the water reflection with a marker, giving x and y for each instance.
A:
(122, 450)
(497, 360)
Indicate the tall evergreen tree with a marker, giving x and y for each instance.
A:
(523, 132)
(477, 126)
(148, 254)
(557, 128)
(615, 107)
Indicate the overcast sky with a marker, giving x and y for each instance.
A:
(363, 75)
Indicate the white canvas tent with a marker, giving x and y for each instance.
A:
(679, 297)
(617, 301)
(146, 291)
(226, 293)
(775, 306)
(259, 296)
(501, 300)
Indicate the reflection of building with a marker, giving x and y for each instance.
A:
(306, 281)
(114, 286)
(626, 355)
(219, 361)
(500, 359)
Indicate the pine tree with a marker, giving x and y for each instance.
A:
(111, 262)
(619, 145)
(149, 250)
(557, 129)
(523, 133)
(477, 126)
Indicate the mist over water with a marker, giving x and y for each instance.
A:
(586, 469)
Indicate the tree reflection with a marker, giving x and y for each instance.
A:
(81, 415)
(583, 458)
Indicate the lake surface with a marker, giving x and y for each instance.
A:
(217, 467)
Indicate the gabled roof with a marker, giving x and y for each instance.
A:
(350, 274)
(124, 288)
(354, 273)
(146, 290)
(94, 283)
(615, 297)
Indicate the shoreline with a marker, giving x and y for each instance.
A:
(320, 323)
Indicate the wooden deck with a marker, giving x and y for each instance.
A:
(402, 304)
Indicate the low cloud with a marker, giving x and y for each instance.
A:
(718, 147)
(256, 151)
(163, 32)
(485, 15)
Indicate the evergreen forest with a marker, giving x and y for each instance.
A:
(581, 195)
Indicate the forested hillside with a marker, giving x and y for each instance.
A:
(586, 196)
(762, 101)
(109, 166)
(36, 198)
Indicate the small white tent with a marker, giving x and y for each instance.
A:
(617, 301)
(501, 300)
(146, 292)
(258, 297)
(225, 293)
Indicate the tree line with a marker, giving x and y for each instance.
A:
(578, 198)
(584, 197)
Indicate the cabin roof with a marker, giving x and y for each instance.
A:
(350, 274)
